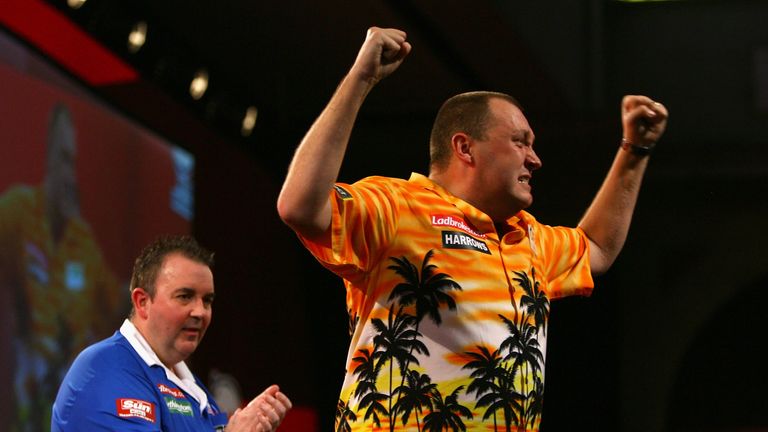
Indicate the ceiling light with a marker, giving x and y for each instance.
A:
(249, 121)
(137, 37)
(75, 4)
(199, 84)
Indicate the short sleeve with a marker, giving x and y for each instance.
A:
(364, 220)
(106, 390)
(566, 261)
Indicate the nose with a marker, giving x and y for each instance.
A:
(532, 161)
(200, 309)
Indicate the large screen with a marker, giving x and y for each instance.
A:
(82, 189)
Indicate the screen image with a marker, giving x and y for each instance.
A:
(82, 189)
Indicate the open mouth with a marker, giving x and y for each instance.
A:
(524, 179)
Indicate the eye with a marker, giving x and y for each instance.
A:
(184, 295)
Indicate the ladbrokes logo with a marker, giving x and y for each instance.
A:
(136, 408)
(454, 222)
(457, 240)
(171, 391)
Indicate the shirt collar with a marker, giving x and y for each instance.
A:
(180, 375)
(478, 217)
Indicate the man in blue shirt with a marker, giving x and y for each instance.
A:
(137, 380)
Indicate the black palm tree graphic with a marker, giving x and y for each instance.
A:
(395, 342)
(375, 408)
(503, 397)
(536, 405)
(366, 372)
(426, 290)
(534, 300)
(522, 348)
(446, 413)
(353, 320)
(366, 390)
(488, 373)
(414, 396)
(344, 415)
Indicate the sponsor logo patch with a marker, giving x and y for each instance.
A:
(342, 192)
(459, 240)
(136, 408)
(454, 222)
(176, 406)
(171, 391)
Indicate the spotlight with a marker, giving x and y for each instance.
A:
(75, 4)
(199, 84)
(249, 121)
(137, 37)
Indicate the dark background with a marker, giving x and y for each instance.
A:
(673, 337)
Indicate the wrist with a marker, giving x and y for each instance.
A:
(637, 149)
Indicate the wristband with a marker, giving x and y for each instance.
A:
(636, 149)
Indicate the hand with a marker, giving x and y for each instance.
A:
(382, 52)
(263, 414)
(644, 120)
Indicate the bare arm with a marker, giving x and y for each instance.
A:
(303, 202)
(607, 220)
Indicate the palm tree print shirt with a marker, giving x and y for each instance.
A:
(448, 321)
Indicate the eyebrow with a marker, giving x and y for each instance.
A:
(527, 134)
(186, 290)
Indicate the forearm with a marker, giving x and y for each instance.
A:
(606, 222)
(303, 202)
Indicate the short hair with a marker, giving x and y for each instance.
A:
(465, 112)
(147, 265)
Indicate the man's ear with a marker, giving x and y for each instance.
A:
(461, 144)
(141, 300)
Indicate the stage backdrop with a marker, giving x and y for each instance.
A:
(82, 189)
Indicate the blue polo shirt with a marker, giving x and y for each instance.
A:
(119, 384)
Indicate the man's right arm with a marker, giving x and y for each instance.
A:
(303, 202)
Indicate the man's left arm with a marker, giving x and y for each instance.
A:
(606, 222)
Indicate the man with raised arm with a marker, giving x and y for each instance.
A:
(448, 279)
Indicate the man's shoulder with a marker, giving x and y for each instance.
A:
(106, 382)
(106, 355)
(391, 184)
(380, 180)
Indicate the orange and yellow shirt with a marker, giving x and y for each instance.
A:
(448, 321)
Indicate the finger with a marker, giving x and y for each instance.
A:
(283, 399)
(394, 49)
(266, 424)
(639, 115)
(271, 408)
(629, 102)
(235, 415)
(272, 416)
(405, 49)
(660, 109)
(271, 390)
(387, 37)
(393, 33)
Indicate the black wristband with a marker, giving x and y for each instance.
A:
(636, 149)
